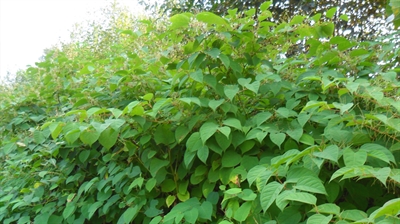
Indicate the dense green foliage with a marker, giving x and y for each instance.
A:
(366, 18)
(203, 119)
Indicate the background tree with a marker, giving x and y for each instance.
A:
(361, 19)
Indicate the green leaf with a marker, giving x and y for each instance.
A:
(55, 129)
(295, 133)
(247, 195)
(194, 142)
(225, 60)
(128, 215)
(341, 171)
(72, 136)
(300, 155)
(169, 200)
(260, 118)
(152, 211)
(233, 122)
(191, 215)
(360, 52)
(180, 20)
(84, 155)
(269, 194)
(371, 147)
(302, 118)
(181, 133)
(104, 195)
(319, 219)
(395, 7)
(307, 139)
(382, 174)
(290, 154)
(390, 208)
(330, 153)
(93, 208)
(378, 155)
(207, 130)
(156, 164)
(225, 131)
(110, 202)
(42, 218)
(253, 86)
(150, 184)
(38, 137)
(202, 153)
(197, 76)
(331, 12)
(115, 123)
(24, 219)
(130, 107)
(148, 96)
(230, 159)
(188, 157)
(95, 110)
(164, 135)
(352, 159)
(314, 104)
(302, 197)
(255, 173)
(256, 134)
(297, 19)
(246, 83)
(283, 111)
(168, 185)
(277, 138)
(205, 210)
(327, 209)
(108, 138)
(69, 209)
(265, 5)
(89, 136)
(214, 52)
(161, 103)
(327, 30)
(242, 212)
(99, 127)
(210, 18)
(231, 91)
(344, 17)
(310, 184)
(343, 107)
(280, 201)
(353, 215)
(214, 104)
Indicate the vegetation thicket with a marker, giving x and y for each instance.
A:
(366, 19)
(204, 119)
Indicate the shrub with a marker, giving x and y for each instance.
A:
(205, 119)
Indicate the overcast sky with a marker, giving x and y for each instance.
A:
(27, 27)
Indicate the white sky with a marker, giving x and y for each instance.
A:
(27, 27)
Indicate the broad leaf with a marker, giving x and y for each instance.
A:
(269, 193)
(302, 197)
(210, 18)
(207, 130)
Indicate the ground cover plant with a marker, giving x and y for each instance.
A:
(204, 119)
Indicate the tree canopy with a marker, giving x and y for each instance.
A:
(358, 19)
(202, 118)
